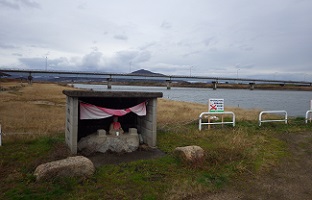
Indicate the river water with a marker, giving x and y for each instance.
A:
(296, 103)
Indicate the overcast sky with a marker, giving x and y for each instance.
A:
(246, 38)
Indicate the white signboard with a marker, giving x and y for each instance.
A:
(311, 105)
(216, 105)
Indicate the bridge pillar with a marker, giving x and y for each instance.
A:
(109, 83)
(214, 85)
(29, 78)
(168, 84)
(252, 86)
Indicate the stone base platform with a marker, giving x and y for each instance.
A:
(101, 142)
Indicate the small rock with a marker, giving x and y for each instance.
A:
(193, 155)
(77, 166)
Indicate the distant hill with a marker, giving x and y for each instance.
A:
(145, 72)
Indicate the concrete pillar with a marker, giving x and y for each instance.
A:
(30, 78)
(148, 124)
(251, 86)
(168, 83)
(214, 85)
(109, 83)
(71, 123)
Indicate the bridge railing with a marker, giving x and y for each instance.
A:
(155, 75)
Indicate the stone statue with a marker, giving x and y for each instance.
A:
(115, 127)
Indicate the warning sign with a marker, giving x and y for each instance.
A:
(216, 105)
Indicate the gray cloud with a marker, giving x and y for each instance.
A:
(209, 41)
(9, 4)
(263, 37)
(82, 6)
(17, 54)
(7, 46)
(191, 53)
(165, 25)
(29, 3)
(18, 4)
(120, 37)
(33, 63)
(92, 61)
(123, 59)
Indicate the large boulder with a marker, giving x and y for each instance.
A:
(193, 155)
(77, 166)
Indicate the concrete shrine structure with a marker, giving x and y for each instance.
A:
(77, 128)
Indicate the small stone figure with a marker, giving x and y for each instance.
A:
(115, 127)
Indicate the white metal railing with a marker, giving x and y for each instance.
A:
(215, 113)
(307, 116)
(273, 112)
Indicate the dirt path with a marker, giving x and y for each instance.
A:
(292, 179)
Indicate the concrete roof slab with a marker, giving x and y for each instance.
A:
(112, 94)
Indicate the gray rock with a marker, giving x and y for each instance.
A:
(190, 154)
(77, 166)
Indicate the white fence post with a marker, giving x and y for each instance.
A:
(215, 113)
(307, 116)
(272, 112)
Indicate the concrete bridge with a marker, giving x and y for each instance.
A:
(169, 79)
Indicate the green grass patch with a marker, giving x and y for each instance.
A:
(229, 152)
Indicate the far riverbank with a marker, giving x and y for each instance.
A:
(296, 103)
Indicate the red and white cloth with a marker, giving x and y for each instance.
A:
(89, 111)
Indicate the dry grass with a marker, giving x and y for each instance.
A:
(175, 112)
(39, 109)
(172, 112)
(7, 84)
(185, 190)
(35, 109)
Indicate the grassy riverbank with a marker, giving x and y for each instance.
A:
(32, 118)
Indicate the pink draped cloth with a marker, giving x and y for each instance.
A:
(89, 111)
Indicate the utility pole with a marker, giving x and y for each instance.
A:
(191, 70)
(130, 64)
(46, 63)
(237, 75)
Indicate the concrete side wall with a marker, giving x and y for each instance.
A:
(148, 124)
(71, 129)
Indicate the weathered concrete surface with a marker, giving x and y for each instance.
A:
(77, 166)
(112, 94)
